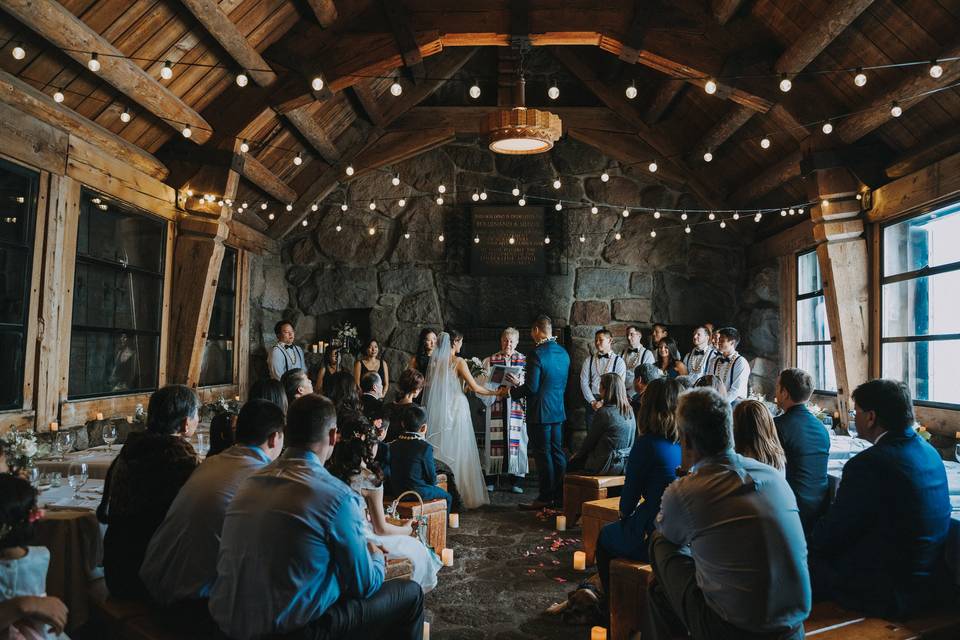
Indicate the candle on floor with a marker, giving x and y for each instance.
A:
(54, 427)
(579, 560)
(447, 556)
(454, 520)
(426, 631)
(561, 523)
(598, 633)
(99, 416)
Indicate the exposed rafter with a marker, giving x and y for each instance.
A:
(723, 10)
(396, 14)
(267, 181)
(469, 121)
(304, 120)
(60, 27)
(924, 154)
(662, 99)
(325, 10)
(363, 91)
(224, 31)
(768, 180)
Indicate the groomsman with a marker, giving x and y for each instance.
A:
(595, 366)
(657, 333)
(730, 366)
(634, 355)
(285, 356)
(698, 361)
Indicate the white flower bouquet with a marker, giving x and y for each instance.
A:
(22, 447)
(476, 367)
(345, 336)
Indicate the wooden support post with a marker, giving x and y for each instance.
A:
(844, 268)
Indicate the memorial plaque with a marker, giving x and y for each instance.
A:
(495, 254)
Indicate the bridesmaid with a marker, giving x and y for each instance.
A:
(330, 365)
(668, 358)
(426, 343)
(371, 361)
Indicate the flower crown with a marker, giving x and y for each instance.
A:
(33, 515)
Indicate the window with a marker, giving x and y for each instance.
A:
(920, 329)
(217, 367)
(814, 353)
(18, 205)
(117, 299)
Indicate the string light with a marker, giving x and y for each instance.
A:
(344, 207)
(263, 206)
(792, 211)
(558, 206)
(783, 213)
(522, 201)
(244, 146)
(617, 236)
(556, 183)
(242, 81)
(371, 231)
(785, 83)
(546, 240)
(476, 239)
(304, 223)
(349, 170)
(652, 167)
(476, 196)
(396, 88)
(594, 210)
(604, 177)
(825, 203)
(632, 90)
(442, 188)
(125, 116)
(395, 180)
(684, 216)
(708, 157)
(757, 217)
(314, 207)
(483, 194)
(166, 72)
(339, 228)
(935, 69)
(187, 132)
(656, 215)
(270, 216)
(861, 78)
(515, 191)
(723, 225)
(512, 240)
(18, 53)
(94, 62)
(475, 91)
(710, 86)
(625, 213)
(441, 238)
(317, 84)
(653, 234)
(859, 197)
(402, 202)
(827, 127)
(712, 216)
(736, 215)
(582, 238)
(298, 159)
(372, 206)
(686, 229)
(58, 96)
(553, 92)
(765, 143)
(896, 110)
(289, 208)
(406, 235)
(439, 200)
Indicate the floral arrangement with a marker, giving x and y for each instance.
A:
(818, 411)
(345, 337)
(22, 447)
(476, 367)
(922, 431)
(217, 407)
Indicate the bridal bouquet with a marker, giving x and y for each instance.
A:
(21, 448)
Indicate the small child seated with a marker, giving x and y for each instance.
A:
(412, 467)
(23, 569)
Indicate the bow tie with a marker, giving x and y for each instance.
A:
(698, 352)
(723, 359)
(633, 350)
(289, 346)
(603, 355)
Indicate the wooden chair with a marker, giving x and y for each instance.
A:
(596, 514)
(578, 489)
(628, 599)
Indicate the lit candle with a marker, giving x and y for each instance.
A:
(426, 631)
(130, 419)
(561, 523)
(316, 348)
(237, 398)
(54, 427)
(957, 435)
(579, 560)
(598, 633)
(99, 416)
(447, 556)
(454, 520)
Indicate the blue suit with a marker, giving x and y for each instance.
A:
(880, 547)
(806, 444)
(545, 381)
(412, 468)
(651, 467)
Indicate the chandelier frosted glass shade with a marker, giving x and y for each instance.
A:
(521, 131)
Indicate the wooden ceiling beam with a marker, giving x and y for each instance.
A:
(304, 121)
(663, 99)
(923, 155)
(769, 179)
(325, 10)
(917, 83)
(27, 99)
(628, 150)
(396, 14)
(363, 92)
(225, 32)
(439, 70)
(264, 179)
(470, 120)
(60, 27)
(396, 146)
(723, 10)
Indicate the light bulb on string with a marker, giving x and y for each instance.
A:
(558, 206)
(556, 183)
(402, 202)
(617, 236)
(406, 235)
(723, 225)
(289, 207)
(344, 207)
(605, 177)
(656, 215)
(18, 53)
(652, 167)
(395, 180)
(475, 91)
(553, 92)
(686, 229)
(896, 110)
(800, 210)
(827, 127)
(546, 240)
(317, 83)
(783, 213)
(710, 86)
(712, 216)
(338, 228)
(439, 200)
(707, 156)
(349, 170)
(166, 71)
(475, 196)
(859, 196)
(594, 210)
(298, 159)
(242, 79)
(625, 213)
(396, 88)
(632, 90)
(304, 223)
(314, 207)
(187, 132)
(825, 203)
(785, 83)
(512, 240)
(516, 191)
(522, 201)
(765, 143)
(125, 116)
(441, 238)
(372, 206)
(792, 211)
(736, 215)
(271, 216)
(582, 238)
(653, 234)
(476, 239)
(263, 206)
(58, 96)
(442, 189)
(371, 231)
(93, 63)
(683, 216)
(244, 146)
(757, 217)
(861, 78)
(935, 69)
(483, 195)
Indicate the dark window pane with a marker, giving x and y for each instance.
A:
(104, 363)
(117, 236)
(922, 306)
(15, 267)
(221, 319)
(11, 368)
(217, 367)
(928, 240)
(808, 273)
(817, 360)
(18, 201)
(812, 320)
(227, 280)
(928, 368)
(108, 297)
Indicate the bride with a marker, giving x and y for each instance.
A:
(451, 429)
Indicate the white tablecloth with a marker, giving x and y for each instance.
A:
(98, 460)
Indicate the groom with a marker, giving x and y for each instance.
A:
(546, 379)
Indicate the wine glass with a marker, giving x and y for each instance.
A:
(33, 474)
(110, 436)
(203, 444)
(77, 477)
(852, 424)
(65, 439)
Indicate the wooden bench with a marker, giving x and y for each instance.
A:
(596, 514)
(579, 489)
(827, 621)
(628, 599)
(436, 512)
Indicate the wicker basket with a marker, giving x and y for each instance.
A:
(419, 521)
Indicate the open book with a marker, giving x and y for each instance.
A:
(499, 373)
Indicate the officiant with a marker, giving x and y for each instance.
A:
(505, 433)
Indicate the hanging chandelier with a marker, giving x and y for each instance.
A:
(521, 131)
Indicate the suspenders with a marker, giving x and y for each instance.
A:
(733, 362)
(593, 359)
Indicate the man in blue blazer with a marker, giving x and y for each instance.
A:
(545, 381)
(880, 547)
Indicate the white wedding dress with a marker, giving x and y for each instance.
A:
(450, 429)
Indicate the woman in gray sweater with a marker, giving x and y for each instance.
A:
(605, 450)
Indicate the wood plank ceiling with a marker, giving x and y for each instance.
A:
(669, 49)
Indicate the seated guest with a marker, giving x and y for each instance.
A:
(296, 383)
(223, 427)
(731, 367)
(879, 547)
(331, 365)
(181, 561)
(371, 396)
(141, 484)
(345, 396)
(755, 436)
(728, 557)
(354, 463)
(806, 444)
(698, 361)
(412, 467)
(270, 390)
(643, 376)
(668, 359)
(652, 466)
(409, 387)
(294, 554)
(712, 381)
(26, 611)
(605, 450)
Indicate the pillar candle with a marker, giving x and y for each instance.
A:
(561, 523)
(447, 556)
(579, 560)
(99, 416)
(426, 631)
(598, 633)
(454, 520)
(237, 398)
(54, 427)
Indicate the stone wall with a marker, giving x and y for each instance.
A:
(759, 323)
(393, 286)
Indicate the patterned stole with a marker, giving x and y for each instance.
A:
(512, 424)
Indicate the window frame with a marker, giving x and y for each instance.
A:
(234, 368)
(914, 274)
(797, 298)
(86, 192)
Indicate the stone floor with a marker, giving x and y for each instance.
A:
(509, 566)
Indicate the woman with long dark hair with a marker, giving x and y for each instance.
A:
(345, 394)
(426, 343)
(329, 366)
(667, 358)
(371, 361)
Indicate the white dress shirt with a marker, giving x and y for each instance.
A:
(595, 366)
(699, 364)
(734, 370)
(632, 361)
(283, 358)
